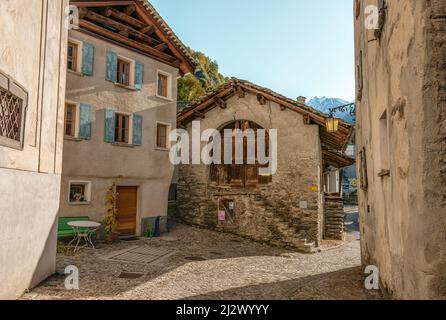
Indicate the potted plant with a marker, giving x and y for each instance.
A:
(110, 220)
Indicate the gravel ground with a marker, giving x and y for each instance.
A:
(210, 265)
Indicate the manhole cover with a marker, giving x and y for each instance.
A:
(130, 275)
(195, 258)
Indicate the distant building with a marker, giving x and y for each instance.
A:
(401, 141)
(296, 206)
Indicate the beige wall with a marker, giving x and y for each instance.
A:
(269, 212)
(99, 162)
(403, 215)
(30, 179)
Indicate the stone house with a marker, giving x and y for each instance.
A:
(287, 208)
(401, 139)
(123, 63)
(32, 92)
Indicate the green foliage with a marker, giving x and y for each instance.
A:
(110, 220)
(191, 87)
(149, 233)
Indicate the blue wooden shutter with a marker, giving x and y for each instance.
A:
(139, 75)
(85, 121)
(112, 67)
(109, 126)
(137, 130)
(87, 59)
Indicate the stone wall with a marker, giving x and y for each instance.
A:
(334, 217)
(272, 212)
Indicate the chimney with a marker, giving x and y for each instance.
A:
(302, 99)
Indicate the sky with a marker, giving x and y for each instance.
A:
(294, 47)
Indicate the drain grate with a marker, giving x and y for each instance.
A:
(130, 275)
(140, 255)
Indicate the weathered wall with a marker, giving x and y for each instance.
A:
(30, 179)
(403, 215)
(99, 162)
(268, 212)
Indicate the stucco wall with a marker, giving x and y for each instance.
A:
(30, 179)
(403, 215)
(99, 162)
(268, 212)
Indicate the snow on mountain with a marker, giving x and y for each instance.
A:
(324, 104)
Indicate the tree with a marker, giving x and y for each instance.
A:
(192, 87)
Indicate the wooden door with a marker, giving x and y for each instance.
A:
(127, 209)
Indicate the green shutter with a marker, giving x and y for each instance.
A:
(112, 67)
(109, 126)
(137, 130)
(139, 75)
(87, 59)
(85, 121)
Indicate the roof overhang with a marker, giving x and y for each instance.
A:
(137, 26)
(217, 98)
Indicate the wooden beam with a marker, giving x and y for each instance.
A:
(186, 66)
(240, 92)
(130, 9)
(111, 12)
(199, 114)
(132, 43)
(149, 29)
(261, 99)
(100, 4)
(161, 47)
(221, 103)
(126, 30)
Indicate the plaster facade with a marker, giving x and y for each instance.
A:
(33, 55)
(101, 164)
(401, 131)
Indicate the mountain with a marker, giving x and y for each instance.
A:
(324, 105)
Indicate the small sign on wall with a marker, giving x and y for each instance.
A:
(221, 215)
(303, 205)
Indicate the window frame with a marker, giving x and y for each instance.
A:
(131, 71)
(168, 127)
(79, 45)
(168, 77)
(87, 192)
(129, 129)
(76, 120)
(11, 87)
(118, 117)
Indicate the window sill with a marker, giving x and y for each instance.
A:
(74, 139)
(74, 204)
(125, 87)
(164, 98)
(76, 73)
(123, 145)
(162, 149)
(9, 143)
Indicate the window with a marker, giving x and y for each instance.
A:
(79, 192)
(124, 72)
(13, 101)
(163, 85)
(161, 135)
(363, 178)
(122, 123)
(70, 120)
(240, 175)
(360, 76)
(73, 54)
